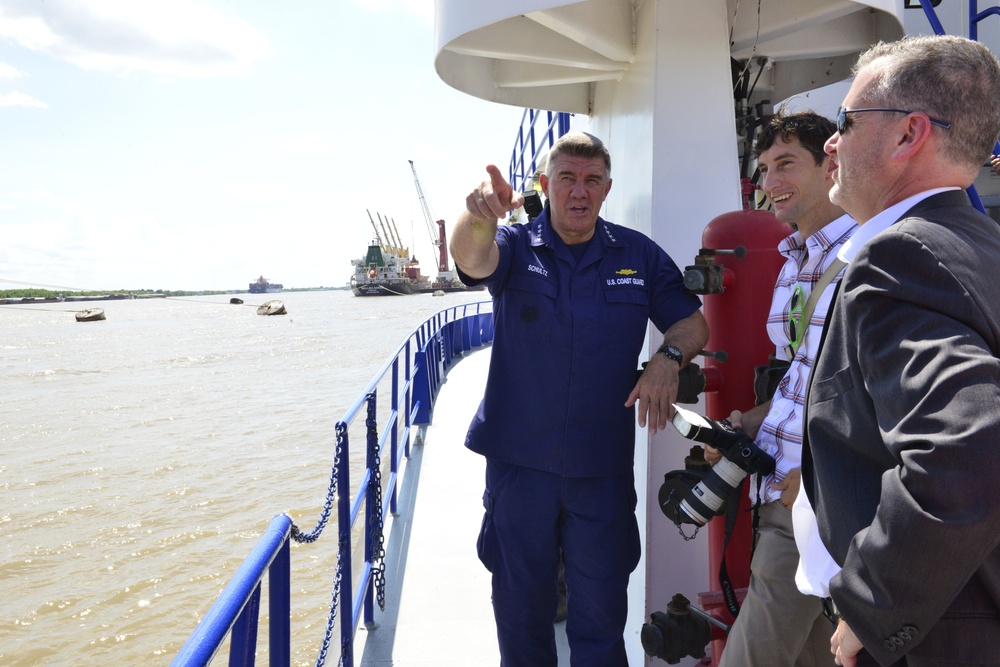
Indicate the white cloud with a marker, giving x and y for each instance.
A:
(35, 195)
(17, 99)
(317, 143)
(421, 8)
(181, 38)
(9, 72)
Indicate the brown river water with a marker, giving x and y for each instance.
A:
(141, 458)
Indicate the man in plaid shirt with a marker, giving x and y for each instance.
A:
(778, 626)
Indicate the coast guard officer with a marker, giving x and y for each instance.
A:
(573, 295)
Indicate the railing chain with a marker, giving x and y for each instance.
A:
(332, 616)
(375, 505)
(299, 536)
(331, 493)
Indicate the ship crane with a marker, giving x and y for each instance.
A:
(378, 237)
(441, 243)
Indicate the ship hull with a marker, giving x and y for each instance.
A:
(263, 286)
(381, 288)
(452, 288)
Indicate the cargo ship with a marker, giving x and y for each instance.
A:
(262, 286)
(387, 268)
(386, 271)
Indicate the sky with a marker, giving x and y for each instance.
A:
(199, 144)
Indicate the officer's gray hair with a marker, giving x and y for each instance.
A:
(579, 144)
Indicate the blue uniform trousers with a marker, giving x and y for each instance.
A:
(531, 515)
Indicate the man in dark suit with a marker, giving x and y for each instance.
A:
(903, 410)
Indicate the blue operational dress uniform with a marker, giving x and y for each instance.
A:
(570, 322)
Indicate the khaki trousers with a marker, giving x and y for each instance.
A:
(777, 626)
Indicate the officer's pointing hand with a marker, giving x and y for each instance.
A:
(493, 198)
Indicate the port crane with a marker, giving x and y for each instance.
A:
(445, 275)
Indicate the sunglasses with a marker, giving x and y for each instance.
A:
(795, 328)
(844, 121)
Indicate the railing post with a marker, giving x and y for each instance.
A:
(421, 386)
(409, 400)
(975, 16)
(394, 438)
(231, 614)
(448, 335)
(434, 365)
(243, 638)
(466, 324)
(372, 506)
(346, 602)
(534, 150)
(279, 596)
(475, 329)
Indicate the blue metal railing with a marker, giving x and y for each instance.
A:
(416, 371)
(533, 142)
(975, 16)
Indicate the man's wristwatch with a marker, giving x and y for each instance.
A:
(672, 352)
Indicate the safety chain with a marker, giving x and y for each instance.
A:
(332, 617)
(374, 510)
(331, 492)
(324, 517)
(687, 538)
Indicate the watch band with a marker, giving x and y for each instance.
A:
(672, 352)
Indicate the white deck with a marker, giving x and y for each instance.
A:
(438, 609)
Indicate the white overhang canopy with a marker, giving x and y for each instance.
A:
(548, 54)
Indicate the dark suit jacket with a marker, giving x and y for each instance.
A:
(903, 431)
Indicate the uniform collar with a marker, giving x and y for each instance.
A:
(543, 234)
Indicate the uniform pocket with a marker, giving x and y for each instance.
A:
(630, 295)
(534, 284)
(536, 302)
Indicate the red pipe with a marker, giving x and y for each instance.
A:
(737, 321)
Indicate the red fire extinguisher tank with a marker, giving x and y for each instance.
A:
(737, 323)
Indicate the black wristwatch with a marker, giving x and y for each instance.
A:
(672, 352)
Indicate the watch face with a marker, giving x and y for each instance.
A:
(673, 352)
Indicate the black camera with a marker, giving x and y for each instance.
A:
(767, 377)
(533, 205)
(691, 496)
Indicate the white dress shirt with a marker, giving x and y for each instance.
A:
(816, 565)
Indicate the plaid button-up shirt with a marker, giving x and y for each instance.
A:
(780, 433)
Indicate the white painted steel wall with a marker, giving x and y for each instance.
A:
(693, 178)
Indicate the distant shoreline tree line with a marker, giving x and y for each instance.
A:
(50, 294)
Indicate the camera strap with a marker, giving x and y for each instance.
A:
(732, 512)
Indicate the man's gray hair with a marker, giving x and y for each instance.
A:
(951, 78)
(579, 144)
